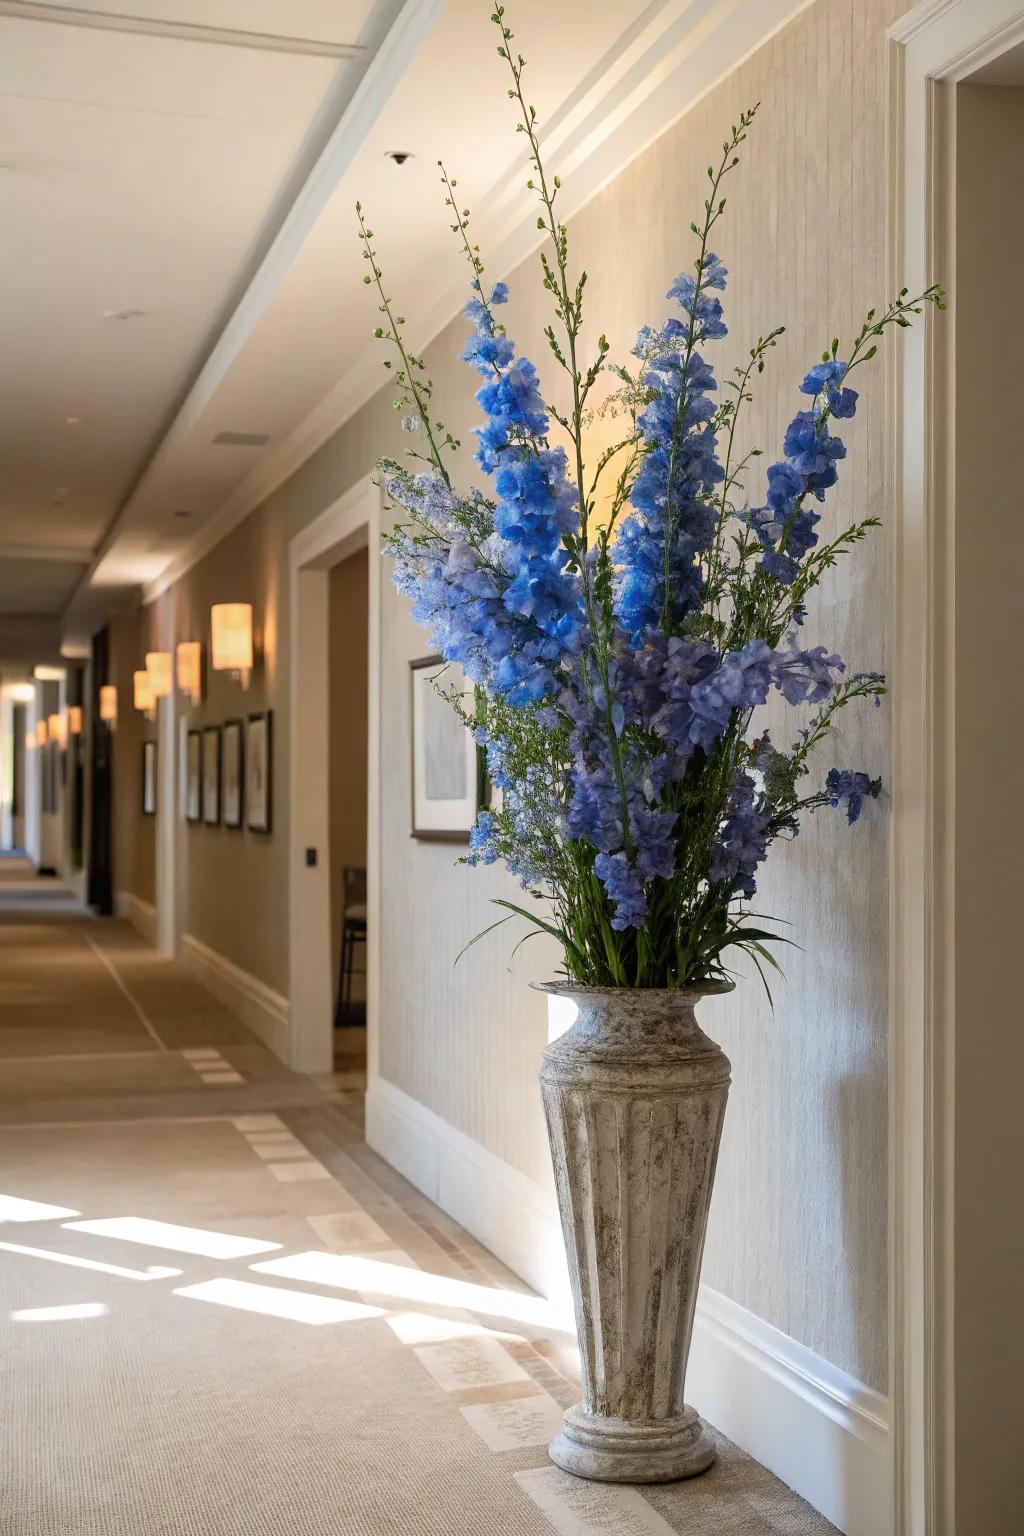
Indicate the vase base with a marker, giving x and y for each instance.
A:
(608, 1450)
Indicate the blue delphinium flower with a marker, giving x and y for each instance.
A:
(742, 840)
(849, 788)
(617, 674)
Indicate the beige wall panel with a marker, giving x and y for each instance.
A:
(989, 840)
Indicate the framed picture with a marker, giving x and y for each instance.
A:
(446, 779)
(193, 776)
(211, 775)
(232, 757)
(149, 778)
(259, 771)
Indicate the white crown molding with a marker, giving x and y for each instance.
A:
(183, 31)
(656, 73)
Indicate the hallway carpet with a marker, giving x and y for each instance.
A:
(222, 1315)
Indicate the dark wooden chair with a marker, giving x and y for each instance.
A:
(353, 933)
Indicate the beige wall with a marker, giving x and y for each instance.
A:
(989, 840)
(799, 1223)
(348, 609)
(234, 883)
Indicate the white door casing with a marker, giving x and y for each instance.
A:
(350, 523)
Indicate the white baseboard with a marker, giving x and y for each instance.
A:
(141, 914)
(258, 1006)
(819, 1430)
(510, 1214)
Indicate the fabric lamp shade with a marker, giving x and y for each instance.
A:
(42, 733)
(231, 633)
(75, 719)
(189, 666)
(108, 703)
(143, 690)
(158, 666)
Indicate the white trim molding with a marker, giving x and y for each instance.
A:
(350, 523)
(930, 49)
(258, 1006)
(815, 1427)
(141, 914)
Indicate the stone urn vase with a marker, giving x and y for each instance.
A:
(634, 1095)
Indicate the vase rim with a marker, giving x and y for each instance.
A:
(572, 989)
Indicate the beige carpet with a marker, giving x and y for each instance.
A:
(222, 1315)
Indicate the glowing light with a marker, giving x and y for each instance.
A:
(142, 691)
(75, 720)
(24, 693)
(163, 1234)
(350, 1272)
(296, 1306)
(13, 1208)
(189, 666)
(108, 703)
(59, 1314)
(55, 728)
(158, 666)
(155, 1272)
(42, 733)
(231, 636)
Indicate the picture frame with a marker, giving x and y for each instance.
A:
(211, 775)
(194, 776)
(149, 778)
(447, 777)
(259, 771)
(232, 774)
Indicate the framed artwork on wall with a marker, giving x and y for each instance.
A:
(446, 768)
(211, 775)
(259, 771)
(149, 778)
(193, 776)
(232, 757)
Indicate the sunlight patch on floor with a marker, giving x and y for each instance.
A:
(164, 1234)
(296, 1306)
(351, 1273)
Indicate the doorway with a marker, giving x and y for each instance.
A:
(333, 590)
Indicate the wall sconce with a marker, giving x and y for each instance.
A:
(189, 659)
(22, 693)
(55, 729)
(231, 633)
(158, 666)
(108, 704)
(142, 688)
(42, 733)
(75, 719)
(30, 741)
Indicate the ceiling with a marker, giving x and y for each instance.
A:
(179, 257)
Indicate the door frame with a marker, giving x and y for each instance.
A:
(347, 525)
(929, 50)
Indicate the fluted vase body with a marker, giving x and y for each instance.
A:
(634, 1096)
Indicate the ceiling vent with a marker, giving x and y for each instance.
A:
(241, 439)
